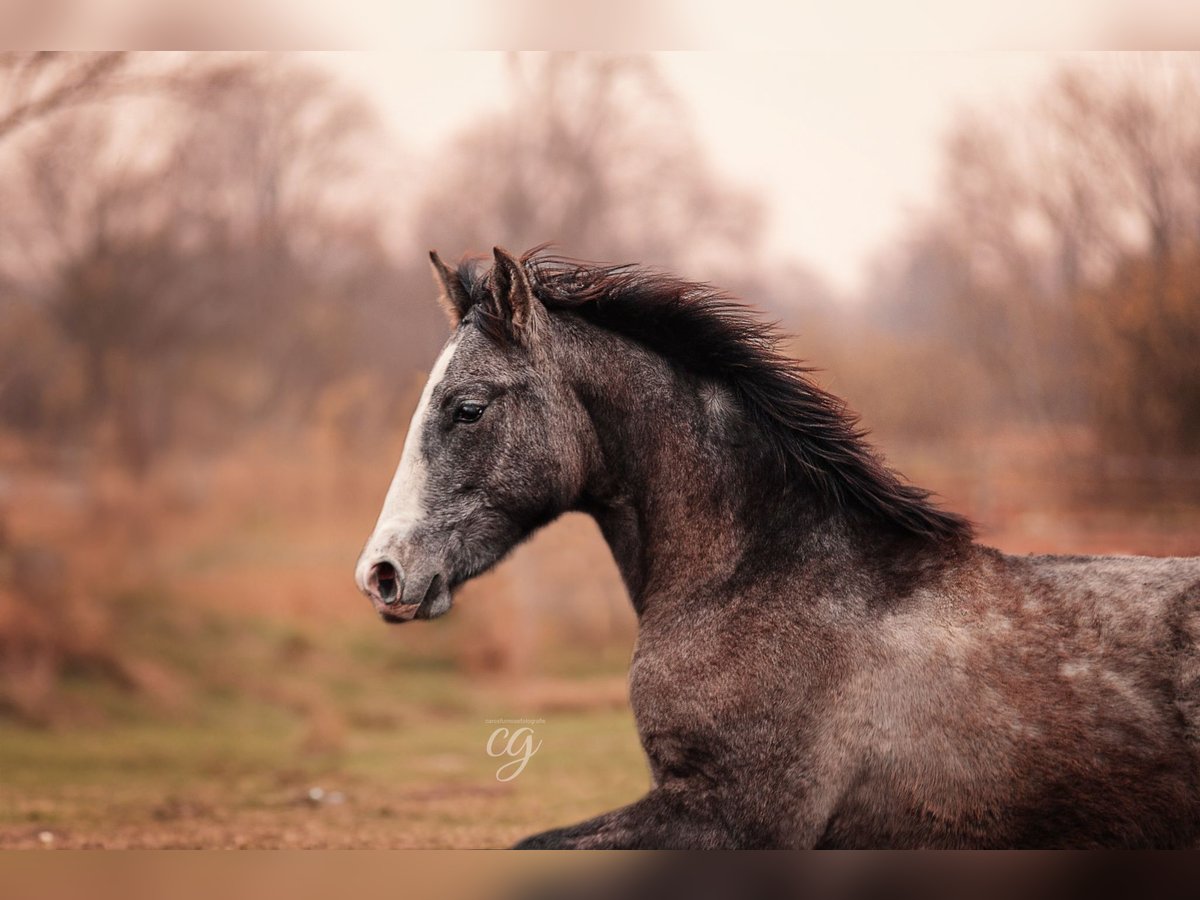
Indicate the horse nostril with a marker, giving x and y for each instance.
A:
(386, 581)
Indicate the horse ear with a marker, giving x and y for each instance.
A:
(453, 297)
(514, 295)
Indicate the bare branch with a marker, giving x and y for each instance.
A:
(84, 77)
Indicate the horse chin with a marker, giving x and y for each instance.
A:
(437, 602)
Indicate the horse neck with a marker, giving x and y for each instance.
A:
(682, 488)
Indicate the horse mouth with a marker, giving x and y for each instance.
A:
(434, 603)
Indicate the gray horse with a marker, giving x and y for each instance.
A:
(824, 657)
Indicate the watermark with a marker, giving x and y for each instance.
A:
(517, 744)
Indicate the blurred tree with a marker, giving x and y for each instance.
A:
(595, 154)
(1063, 247)
(204, 256)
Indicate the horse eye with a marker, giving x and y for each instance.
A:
(468, 411)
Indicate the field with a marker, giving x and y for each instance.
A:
(245, 774)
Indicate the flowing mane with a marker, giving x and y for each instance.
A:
(706, 331)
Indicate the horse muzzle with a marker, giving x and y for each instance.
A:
(400, 592)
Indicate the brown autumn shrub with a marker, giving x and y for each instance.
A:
(48, 629)
(1143, 334)
(72, 564)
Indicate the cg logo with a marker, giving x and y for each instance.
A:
(518, 745)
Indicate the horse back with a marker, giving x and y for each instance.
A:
(1030, 701)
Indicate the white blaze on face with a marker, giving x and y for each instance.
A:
(403, 507)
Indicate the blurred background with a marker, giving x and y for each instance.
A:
(216, 316)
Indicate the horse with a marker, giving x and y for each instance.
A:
(825, 657)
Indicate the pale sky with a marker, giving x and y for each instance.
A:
(839, 144)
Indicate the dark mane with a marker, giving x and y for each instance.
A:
(706, 331)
